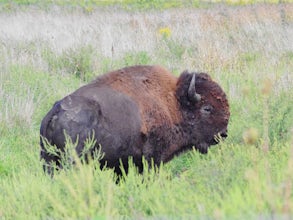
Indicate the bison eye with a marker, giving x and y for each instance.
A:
(207, 109)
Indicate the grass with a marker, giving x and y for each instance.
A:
(250, 55)
(88, 6)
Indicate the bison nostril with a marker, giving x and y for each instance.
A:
(224, 134)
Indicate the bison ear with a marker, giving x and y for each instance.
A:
(193, 96)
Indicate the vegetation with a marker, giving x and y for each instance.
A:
(89, 5)
(248, 176)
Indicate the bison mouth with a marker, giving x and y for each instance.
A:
(219, 137)
(204, 146)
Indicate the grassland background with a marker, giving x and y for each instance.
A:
(50, 48)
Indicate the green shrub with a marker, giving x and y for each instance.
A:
(77, 62)
(141, 58)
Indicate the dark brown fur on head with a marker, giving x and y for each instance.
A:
(209, 116)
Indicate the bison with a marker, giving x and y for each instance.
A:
(138, 112)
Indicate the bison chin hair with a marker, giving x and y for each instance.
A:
(202, 147)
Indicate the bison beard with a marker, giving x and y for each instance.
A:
(138, 112)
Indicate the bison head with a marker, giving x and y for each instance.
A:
(205, 109)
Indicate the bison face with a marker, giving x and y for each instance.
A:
(211, 125)
(205, 110)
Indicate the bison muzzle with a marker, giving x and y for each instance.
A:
(138, 112)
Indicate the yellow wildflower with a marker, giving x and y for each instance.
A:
(165, 32)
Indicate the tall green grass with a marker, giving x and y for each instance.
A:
(248, 176)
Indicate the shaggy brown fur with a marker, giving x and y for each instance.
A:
(152, 88)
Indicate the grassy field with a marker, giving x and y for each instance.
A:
(47, 52)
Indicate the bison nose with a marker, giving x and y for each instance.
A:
(224, 134)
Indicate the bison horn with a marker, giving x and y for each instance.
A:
(192, 94)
